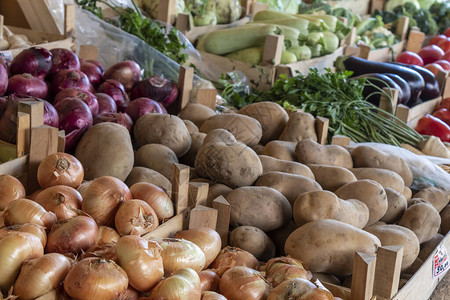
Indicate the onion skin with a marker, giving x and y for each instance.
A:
(243, 283)
(10, 189)
(142, 261)
(63, 59)
(232, 256)
(98, 64)
(70, 79)
(106, 235)
(26, 84)
(156, 197)
(106, 251)
(280, 269)
(299, 288)
(35, 61)
(21, 211)
(2, 105)
(103, 198)
(3, 79)
(14, 250)
(93, 72)
(60, 169)
(115, 90)
(72, 235)
(37, 230)
(119, 118)
(83, 187)
(209, 280)
(94, 278)
(126, 72)
(208, 295)
(8, 121)
(51, 117)
(2, 221)
(87, 97)
(135, 217)
(40, 275)
(207, 239)
(105, 103)
(141, 106)
(156, 88)
(63, 201)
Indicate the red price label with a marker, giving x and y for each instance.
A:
(440, 261)
(6, 55)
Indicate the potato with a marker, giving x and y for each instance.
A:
(196, 113)
(329, 246)
(310, 152)
(280, 235)
(368, 157)
(245, 129)
(319, 205)
(445, 217)
(259, 206)
(423, 219)
(290, 185)
(197, 139)
(393, 235)
(106, 150)
(428, 247)
(270, 115)
(141, 174)
(258, 149)
(281, 150)
(387, 178)
(371, 193)
(190, 126)
(253, 240)
(163, 129)
(437, 197)
(407, 193)
(157, 157)
(325, 277)
(396, 206)
(301, 126)
(215, 191)
(230, 163)
(271, 164)
(413, 201)
(331, 178)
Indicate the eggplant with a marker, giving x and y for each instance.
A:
(404, 87)
(379, 81)
(361, 66)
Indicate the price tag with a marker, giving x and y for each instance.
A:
(440, 261)
(6, 55)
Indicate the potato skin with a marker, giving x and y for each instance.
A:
(253, 240)
(216, 190)
(318, 205)
(329, 246)
(393, 235)
(423, 219)
(290, 185)
(163, 129)
(310, 152)
(106, 150)
(271, 164)
(157, 157)
(331, 178)
(371, 193)
(190, 126)
(259, 206)
(283, 150)
(437, 197)
(196, 113)
(245, 129)
(387, 178)
(445, 217)
(428, 247)
(301, 126)
(396, 206)
(197, 139)
(270, 115)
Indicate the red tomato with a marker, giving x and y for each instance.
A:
(434, 68)
(436, 39)
(444, 104)
(446, 56)
(430, 54)
(444, 64)
(447, 32)
(443, 114)
(409, 58)
(444, 44)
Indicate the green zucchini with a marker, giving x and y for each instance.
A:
(271, 15)
(252, 55)
(330, 21)
(300, 24)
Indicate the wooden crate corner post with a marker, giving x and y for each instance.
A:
(415, 41)
(180, 187)
(385, 102)
(207, 97)
(182, 23)
(363, 276)
(223, 218)
(198, 193)
(203, 216)
(322, 125)
(166, 11)
(273, 47)
(185, 81)
(87, 52)
(402, 27)
(387, 271)
(340, 140)
(69, 20)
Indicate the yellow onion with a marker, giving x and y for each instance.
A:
(206, 238)
(128, 294)
(179, 253)
(183, 284)
(156, 197)
(209, 280)
(208, 295)
(14, 250)
(60, 169)
(102, 199)
(72, 235)
(142, 261)
(83, 187)
(35, 229)
(299, 288)
(2, 221)
(23, 211)
(10, 189)
(243, 283)
(280, 269)
(106, 235)
(62, 200)
(231, 256)
(95, 279)
(41, 275)
(135, 217)
(106, 251)
(34, 194)
(55, 294)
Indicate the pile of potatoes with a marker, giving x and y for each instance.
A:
(290, 195)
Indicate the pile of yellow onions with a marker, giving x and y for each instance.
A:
(156, 197)
(23, 211)
(135, 217)
(10, 189)
(243, 283)
(232, 256)
(63, 201)
(60, 169)
(280, 269)
(207, 239)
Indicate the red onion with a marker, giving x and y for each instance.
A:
(8, 121)
(119, 118)
(116, 90)
(87, 97)
(126, 72)
(3, 79)
(35, 61)
(51, 117)
(2, 105)
(93, 72)
(105, 103)
(142, 106)
(98, 64)
(75, 118)
(63, 59)
(70, 79)
(156, 88)
(27, 84)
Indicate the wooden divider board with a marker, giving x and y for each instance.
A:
(203, 216)
(415, 41)
(363, 276)
(411, 115)
(170, 227)
(180, 187)
(87, 52)
(223, 218)
(322, 125)
(185, 81)
(39, 16)
(198, 193)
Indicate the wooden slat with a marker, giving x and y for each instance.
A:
(36, 111)
(207, 97)
(193, 33)
(170, 227)
(198, 192)
(39, 16)
(223, 218)
(61, 141)
(442, 77)
(415, 41)
(387, 271)
(273, 47)
(322, 124)
(385, 102)
(180, 187)
(69, 20)
(259, 6)
(203, 216)
(340, 140)
(15, 167)
(182, 23)
(402, 28)
(185, 80)
(166, 11)
(338, 291)
(2, 22)
(376, 4)
(363, 276)
(446, 89)
(87, 52)
(23, 134)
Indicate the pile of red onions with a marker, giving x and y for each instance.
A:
(115, 90)
(85, 96)
(113, 117)
(157, 88)
(35, 61)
